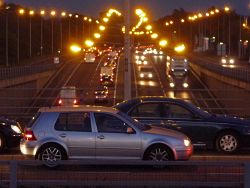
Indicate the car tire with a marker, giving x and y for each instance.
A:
(51, 154)
(159, 153)
(2, 142)
(227, 142)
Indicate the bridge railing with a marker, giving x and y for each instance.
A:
(235, 73)
(13, 72)
(114, 173)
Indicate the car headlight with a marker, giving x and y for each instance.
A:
(185, 85)
(231, 61)
(172, 84)
(141, 75)
(150, 75)
(16, 129)
(187, 142)
(223, 61)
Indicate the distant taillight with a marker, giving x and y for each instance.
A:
(29, 135)
(60, 102)
(75, 101)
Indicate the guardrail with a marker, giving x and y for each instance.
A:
(114, 173)
(12, 72)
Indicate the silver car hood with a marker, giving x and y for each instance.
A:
(165, 132)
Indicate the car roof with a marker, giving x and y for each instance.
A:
(75, 108)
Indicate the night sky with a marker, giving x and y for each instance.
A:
(154, 8)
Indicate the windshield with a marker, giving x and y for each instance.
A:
(134, 122)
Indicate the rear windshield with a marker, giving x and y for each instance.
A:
(33, 119)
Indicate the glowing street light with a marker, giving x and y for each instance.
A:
(154, 36)
(148, 27)
(89, 43)
(227, 9)
(102, 28)
(180, 48)
(97, 35)
(105, 19)
(75, 48)
(138, 12)
(163, 43)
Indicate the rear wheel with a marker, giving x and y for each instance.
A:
(51, 154)
(2, 142)
(227, 142)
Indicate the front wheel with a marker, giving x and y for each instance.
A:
(227, 142)
(51, 155)
(159, 153)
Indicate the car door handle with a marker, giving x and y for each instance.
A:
(100, 137)
(63, 135)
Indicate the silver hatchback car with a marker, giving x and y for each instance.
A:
(91, 132)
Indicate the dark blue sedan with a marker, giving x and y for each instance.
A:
(206, 131)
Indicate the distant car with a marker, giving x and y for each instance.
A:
(100, 96)
(91, 132)
(10, 133)
(207, 131)
(227, 60)
(146, 72)
(107, 80)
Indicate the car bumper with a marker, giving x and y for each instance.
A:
(27, 148)
(184, 154)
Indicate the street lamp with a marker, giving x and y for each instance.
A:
(20, 12)
(42, 13)
(63, 15)
(70, 15)
(6, 36)
(52, 13)
(31, 13)
(227, 10)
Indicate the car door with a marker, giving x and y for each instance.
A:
(113, 140)
(74, 129)
(180, 118)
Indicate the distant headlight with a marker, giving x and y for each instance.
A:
(231, 61)
(187, 142)
(172, 84)
(185, 85)
(141, 75)
(223, 61)
(145, 62)
(16, 129)
(150, 75)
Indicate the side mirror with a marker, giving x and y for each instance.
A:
(130, 130)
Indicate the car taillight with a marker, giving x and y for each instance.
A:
(75, 101)
(29, 135)
(60, 102)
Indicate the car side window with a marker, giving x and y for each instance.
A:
(146, 110)
(74, 121)
(110, 124)
(176, 111)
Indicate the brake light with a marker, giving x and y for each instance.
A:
(75, 101)
(29, 135)
(60, 102)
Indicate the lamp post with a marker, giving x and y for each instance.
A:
(7, 36)
(20, 12)
(127, 74)
(31, 13)
(42, 13)
(63, 14)
(227, 9)
(70, 15)
(52, 13)
(76, 25)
